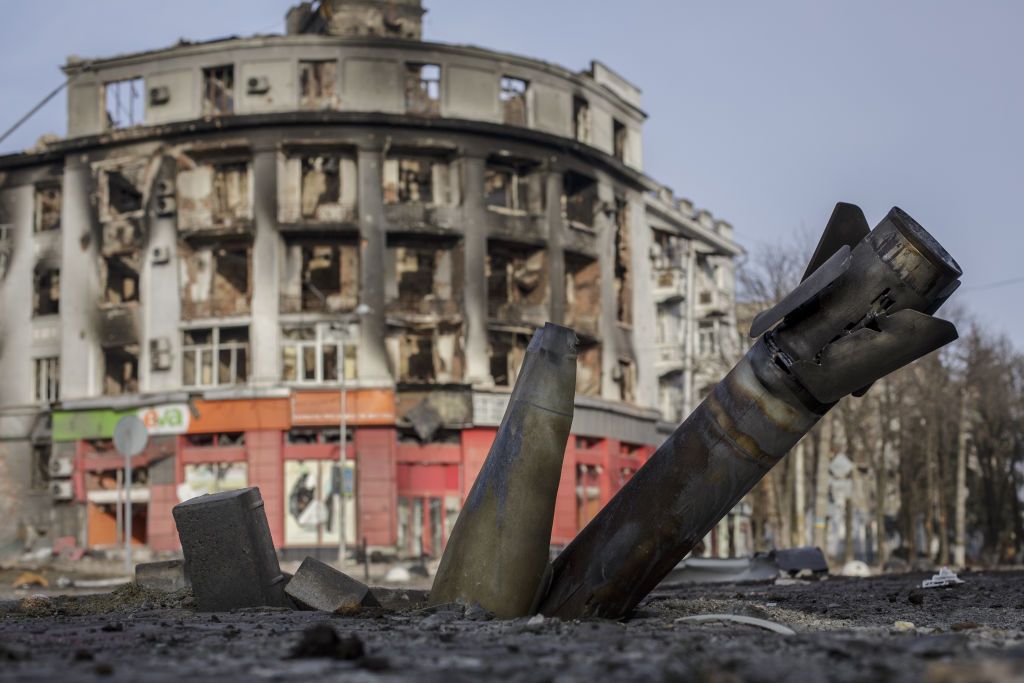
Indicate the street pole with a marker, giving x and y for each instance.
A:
(128, 514)
(343, 442)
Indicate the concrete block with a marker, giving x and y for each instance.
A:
(321, 586)
(228, 551)
(166, 577)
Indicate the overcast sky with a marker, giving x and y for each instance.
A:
(766, 113)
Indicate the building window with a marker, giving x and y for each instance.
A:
(513, 100)
(321, 185)
(215, 280)
(423, 88)
(219, 90)
(46, 291)
(416, 180)
(309, 354)
(121, 370)
(317, 80)
(48, 204)
(516, 277)
(215, 356)
(125, 102)
(328, 280)
(623, 265)
(122, 194)
(619, 136)
(512, 188)
(625, 378)
(707, 338)
(581, 119)
(47, 371)
(507, 351)
(121, 278)
(579, 193)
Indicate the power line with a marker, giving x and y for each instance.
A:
(991, 285)
(34, 109)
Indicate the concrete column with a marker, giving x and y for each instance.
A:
(644, 307)
(604, 223)
(81, 358)
(372, 357)
(474, 212)
(16, 368)
(160, 294)
(556, 248)
(690, 321)
(264, 267)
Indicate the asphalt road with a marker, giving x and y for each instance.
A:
(845, 631)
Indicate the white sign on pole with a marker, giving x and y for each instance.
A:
(130, 439)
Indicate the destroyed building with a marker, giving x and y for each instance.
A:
(251, 242)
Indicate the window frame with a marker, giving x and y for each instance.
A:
(215, 347)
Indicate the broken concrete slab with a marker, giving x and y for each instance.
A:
(320, 586)
(229, 551)
(167, 576)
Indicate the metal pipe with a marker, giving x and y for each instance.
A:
(861, 312)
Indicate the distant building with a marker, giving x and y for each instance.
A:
(234, 230)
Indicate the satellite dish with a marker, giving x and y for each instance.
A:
(130, 435)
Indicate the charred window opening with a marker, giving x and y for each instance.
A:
(47, 375)
(623, 265)
(625, 379)
(230, 191)
(423, 88)
(321, 277)
(318, 187)
(125, 102)
(507, 351)
(121, 277)
(428, 354)
(216, 280)
(516, 276)
(417, 358)
(215, 356)
(516, 188)
(41, 456)
(123, 195)
(311, 353)
(46, 291)
(417, 180)
(588, 367)
(317, 81)
(582, 293)
(579, 193)
(214, 195)
(581, 119)
(513, 100)
(121, 370)
(48, 205)
(426, 277)
(219, 90)
(321, 184)
(619, 137)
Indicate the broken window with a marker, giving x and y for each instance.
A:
(625, 378)
(582, 293)
(424, 275)
(588, 367)
(416, 180)
(512, 187)
(668, 256)
(321, 185)
(317, 79)
(215, 356)
(123, 193)
(423, 88)
(619, 137)
(623, 265)
(121, 277)
(415, 272)
(707, 338)
(214, 195)
(230, 191)
(46, 291)
(515, 275)
(417, 355)
(513, 100)
(216, 280)
(47, 374)
(581, 119)
(507, 351)
(310, 353)
(329, 277)
(219, 90)
(125, 102)
(579, 193)
(47, 210)
(121, 369)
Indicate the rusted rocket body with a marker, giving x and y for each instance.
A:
(497, 555)
(862, 311)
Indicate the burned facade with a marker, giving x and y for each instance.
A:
(234, 231)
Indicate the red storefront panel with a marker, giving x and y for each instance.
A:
(375, 450)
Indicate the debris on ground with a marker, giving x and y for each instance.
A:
(321, 640)
(945, 577)
(167, 576)
(321, 587)
(742, 619)
(30, 580)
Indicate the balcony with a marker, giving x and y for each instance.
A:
(669, 356)
(668, 283)
(420, 217)
(516, 225)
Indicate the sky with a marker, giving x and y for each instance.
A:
(765, 113)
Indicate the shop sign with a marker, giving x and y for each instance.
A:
(166, 419)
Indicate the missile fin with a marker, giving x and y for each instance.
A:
(803, 293)
(847, 225)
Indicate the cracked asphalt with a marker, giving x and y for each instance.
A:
(845, 631)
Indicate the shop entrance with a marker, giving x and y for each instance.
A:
(428, 505)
